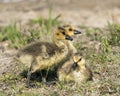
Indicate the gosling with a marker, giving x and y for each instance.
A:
(75, 70)
(43, 55)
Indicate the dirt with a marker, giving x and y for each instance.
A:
(84, 12)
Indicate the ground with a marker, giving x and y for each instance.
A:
(93, 18)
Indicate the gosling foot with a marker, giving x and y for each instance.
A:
(29, 85)
(50, 83)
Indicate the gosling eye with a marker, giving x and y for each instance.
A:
(70, 29)
(63, 33)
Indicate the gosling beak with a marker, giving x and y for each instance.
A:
(74, 65)
(68, 38)
(77, 32)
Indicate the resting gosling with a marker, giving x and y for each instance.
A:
(75, 70)
(43, 55)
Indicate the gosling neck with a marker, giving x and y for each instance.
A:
(71, 48)
(59, 43)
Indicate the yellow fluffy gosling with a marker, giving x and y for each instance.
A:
(75, 70)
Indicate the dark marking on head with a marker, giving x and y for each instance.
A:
(66, 26)
(61, 28)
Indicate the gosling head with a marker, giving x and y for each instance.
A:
(80, 70)
(69, 30)
(79, 62)
(61, 35)
(64, 33)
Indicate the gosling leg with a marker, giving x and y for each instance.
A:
(28, 78)
(43, 72)
(29, 74)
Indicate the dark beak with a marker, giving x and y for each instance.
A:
(68, 38)
(77, 32)
(74, 65)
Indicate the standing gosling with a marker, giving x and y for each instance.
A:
(75, 70)
(43, 55)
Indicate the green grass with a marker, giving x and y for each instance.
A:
(12, 34)
(98, 35)
(18, 38)
(114, 30)
(47, 24)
